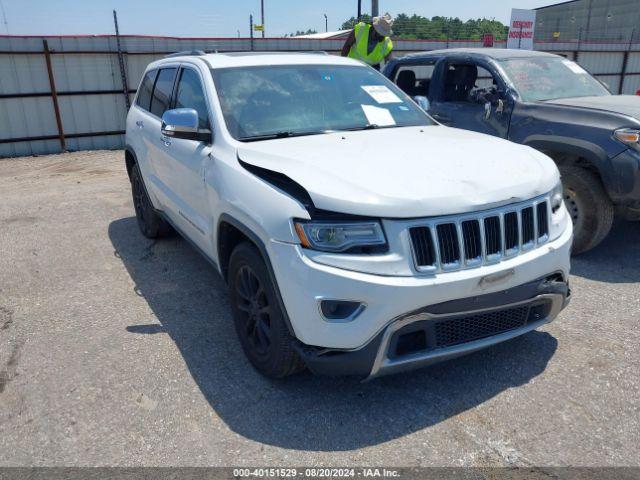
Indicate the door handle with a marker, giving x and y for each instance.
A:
(140, 123)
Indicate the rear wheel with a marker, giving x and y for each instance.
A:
(150, 223)
(258, 318)
(588, 204)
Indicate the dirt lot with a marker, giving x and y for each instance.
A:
(117, 350)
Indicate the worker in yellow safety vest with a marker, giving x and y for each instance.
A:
(370, 43)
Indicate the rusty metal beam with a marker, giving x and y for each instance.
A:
(54, 95)
(55, 137)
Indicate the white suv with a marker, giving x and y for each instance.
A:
(356, 234)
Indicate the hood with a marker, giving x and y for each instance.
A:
(623, 104)
(407, 172)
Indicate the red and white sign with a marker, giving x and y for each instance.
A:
(521, 29)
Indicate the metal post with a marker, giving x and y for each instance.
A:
(262, 15)
(54, 95)
(359, 10)
(374, 8)
(520, 38)
(251, 30)
(326, 23)
(123, 71)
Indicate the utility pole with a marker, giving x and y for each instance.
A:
(326, 23)
(123, 71)
(4, 17)
(262, 15)
(374, 8)
(251, 30)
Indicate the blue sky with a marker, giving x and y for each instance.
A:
(220, 18)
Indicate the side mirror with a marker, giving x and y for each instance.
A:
(183, 123)
(423, 102)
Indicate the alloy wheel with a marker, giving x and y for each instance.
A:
(252, 302)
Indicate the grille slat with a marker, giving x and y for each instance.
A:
(492, 235)
(543, 222)
(471, 238)
(448, 243)
(423, 246)
(511, 237)
(528, 234)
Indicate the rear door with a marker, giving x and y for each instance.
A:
(469, 94)
(137, 119)
(155, 143)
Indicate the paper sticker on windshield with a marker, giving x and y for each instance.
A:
(574, 67)
(381, 94)
(378, 116)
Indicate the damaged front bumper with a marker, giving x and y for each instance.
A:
(447, 330)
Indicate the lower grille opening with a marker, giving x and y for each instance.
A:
(411, 343)
(429, 335)
(474, 327)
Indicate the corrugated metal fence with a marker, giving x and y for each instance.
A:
(66, 92)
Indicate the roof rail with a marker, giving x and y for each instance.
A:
(187, 53)
(246, 53)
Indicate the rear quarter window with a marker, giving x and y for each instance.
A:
(146, 88)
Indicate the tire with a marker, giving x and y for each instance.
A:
(150, 223)
(258, 318)
(589, 206)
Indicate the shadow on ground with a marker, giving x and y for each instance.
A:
(303, 412)
(616, 259)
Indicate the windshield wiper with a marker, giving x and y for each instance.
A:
(283, 134)
(368, 126)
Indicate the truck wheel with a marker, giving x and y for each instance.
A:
(589, 206)
(257, 315)
(150, 223)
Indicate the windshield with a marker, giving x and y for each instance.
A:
(544, 78)
(278, 101)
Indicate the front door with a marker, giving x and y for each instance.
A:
(189, 159)
(470, 96)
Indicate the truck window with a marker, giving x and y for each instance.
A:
(468, 83)
(146, 87)
(415, 79)
(162, 91)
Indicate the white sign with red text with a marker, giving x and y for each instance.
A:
(521, 28)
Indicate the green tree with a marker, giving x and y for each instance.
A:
(440, 28)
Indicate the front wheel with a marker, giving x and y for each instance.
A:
(258, 318)
(589, 205)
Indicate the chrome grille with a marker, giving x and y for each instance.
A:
(466, 241)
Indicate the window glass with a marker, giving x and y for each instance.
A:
(469, 83)
(144, 92)
(162, 91)
(191, 95)
(311, 99)
(415, 80)
(548, 78)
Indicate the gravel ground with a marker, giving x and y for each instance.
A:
(118, 350)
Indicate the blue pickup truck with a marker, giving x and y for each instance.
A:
(549, 103)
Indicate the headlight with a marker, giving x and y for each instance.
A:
(557, 195)
(628, 136)
(339, 236)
